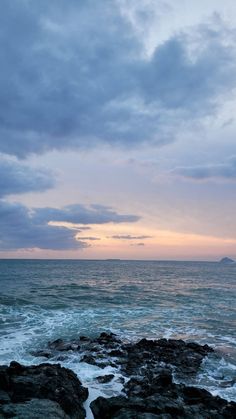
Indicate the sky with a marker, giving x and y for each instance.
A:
(118, 129)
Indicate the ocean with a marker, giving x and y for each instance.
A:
(42, 300)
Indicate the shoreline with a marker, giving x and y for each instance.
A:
(148, 373)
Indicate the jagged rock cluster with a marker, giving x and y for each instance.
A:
(147, 367)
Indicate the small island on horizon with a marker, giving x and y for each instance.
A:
(226, 261)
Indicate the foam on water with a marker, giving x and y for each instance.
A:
(45, 300)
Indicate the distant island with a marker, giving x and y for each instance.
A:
(227, 261)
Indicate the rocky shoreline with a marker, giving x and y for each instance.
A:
(148, 371)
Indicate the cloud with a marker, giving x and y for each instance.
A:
(130, 237)
(25, 228)
(90, 238)
(80, 214)
(137, 244)
(18, 230)
(17, 178)
(82, 78)
(225, 171)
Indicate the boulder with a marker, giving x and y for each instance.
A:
(35, 408)
(21, 384)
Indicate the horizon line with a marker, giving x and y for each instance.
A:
(112, 259)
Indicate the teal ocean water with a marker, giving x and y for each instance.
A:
(45, 300)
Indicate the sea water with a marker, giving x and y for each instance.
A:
(42, 300)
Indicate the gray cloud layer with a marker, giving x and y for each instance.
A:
(74, 74)
(16, 178)
(222, 171)
(22, 228)
(79, 214)
(129, 237)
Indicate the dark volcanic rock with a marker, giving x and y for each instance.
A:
(44, 353)
(131, 414)
(105, 378)
(149, 388)
(107, 349)
(22, 388)
(33, 409)
(150, 391)
(107, 337)
(185, 357)
(61, 345)
(170, 403)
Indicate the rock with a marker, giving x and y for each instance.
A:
(89, 359)
(43, 353)
(35, 409)
(61, 345)
(150, 390)
(84, 339)
(20, 384)
(102, 351)
(107, 408)
(185, 357)
(116, 353)
(131, 414)
(170, 404)
(147, 367)
(4, 398)
(98, 361)
(108, 340)
(105, 378)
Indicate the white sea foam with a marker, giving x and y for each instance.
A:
(135, 300)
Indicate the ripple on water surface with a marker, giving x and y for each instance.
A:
(44, 300)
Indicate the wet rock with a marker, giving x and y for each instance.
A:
(163, 406)
(131, 414)
(116, 353)
(108, 340)
(4, 398)
(84, 339)
(61, 345)
(107, 408)
(148, 366)
(100, 362)
(120, 380)
(105, 378)
(150, 390)
(62, 358)
(43, 353)
(108, 337)
(20, 384)
(89, 359)
(35, 408)
(185, 357)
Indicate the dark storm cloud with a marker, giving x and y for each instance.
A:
(22, 228)
(17, 178)
(130, 237)
(73, 74)
(225, 171)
